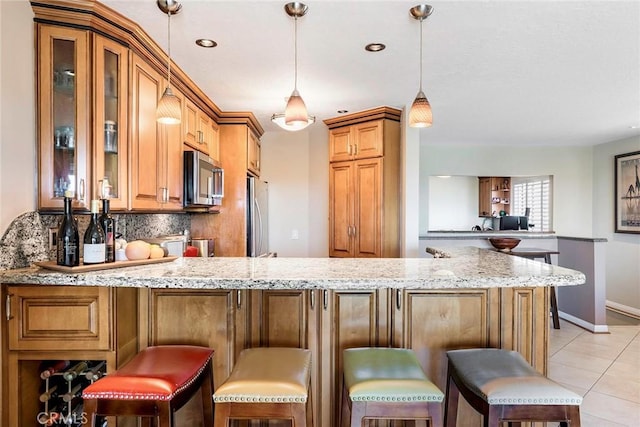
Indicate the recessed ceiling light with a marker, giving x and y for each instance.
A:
(634, 127)
(343, 111)
(375, 47)
(206, 43)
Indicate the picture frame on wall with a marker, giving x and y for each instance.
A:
(627, 192)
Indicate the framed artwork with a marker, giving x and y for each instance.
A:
(627, 192)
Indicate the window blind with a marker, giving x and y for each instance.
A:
(533, 193)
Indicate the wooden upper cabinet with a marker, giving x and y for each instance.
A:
(364, 188)
(156, 149)
(359, 141)
(494, 196)
(200, 131)
(63, 104)
(253, 154)
(111, 88)
(484, 196)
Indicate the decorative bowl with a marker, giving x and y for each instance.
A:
(504, 244)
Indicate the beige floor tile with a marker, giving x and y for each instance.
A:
(621, 369)
(581, 391)
(581, 360)
(631, 357)
(601, 349)
(623, 388)
(591, 421)
(611, 408)
(572, 375)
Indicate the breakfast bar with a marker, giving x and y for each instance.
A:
(469, 298)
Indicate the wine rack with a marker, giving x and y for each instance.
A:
(62, 382)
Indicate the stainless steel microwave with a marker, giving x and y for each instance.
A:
(203, 180)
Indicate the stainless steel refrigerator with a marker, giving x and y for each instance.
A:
(257, 218)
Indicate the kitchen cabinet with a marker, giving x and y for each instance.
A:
(63, 111)
(494, 195)
(200, 131)
(111, 76)
(253, 154)
(359, 141)
(75, 323)
(216, 319)
(68, 107)
(156, 149)
(364, 192)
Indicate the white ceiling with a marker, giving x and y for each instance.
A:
(495, 72)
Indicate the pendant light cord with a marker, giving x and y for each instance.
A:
(421, 54)
(169, 48)
(295, 53)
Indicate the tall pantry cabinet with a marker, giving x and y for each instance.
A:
(364, 184)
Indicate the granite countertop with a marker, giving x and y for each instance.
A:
(464, 268)
(469, 235)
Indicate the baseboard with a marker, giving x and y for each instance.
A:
(623, 309)
(596, 329)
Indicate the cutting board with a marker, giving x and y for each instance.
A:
(51, 265)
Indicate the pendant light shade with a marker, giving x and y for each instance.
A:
(296, 116)
(420, 115)
(169, 109)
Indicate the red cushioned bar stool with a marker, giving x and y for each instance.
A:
(155, 383)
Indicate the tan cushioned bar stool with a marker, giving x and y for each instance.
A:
(502, 386)
(266, 383)
(155, 383)
(387, 383)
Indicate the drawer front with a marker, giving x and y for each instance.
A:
(58, 318)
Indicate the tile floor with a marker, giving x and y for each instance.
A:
(604, 368)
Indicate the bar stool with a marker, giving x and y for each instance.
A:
(155, 383)
(267, 383)
(502, 386)
(387, 383)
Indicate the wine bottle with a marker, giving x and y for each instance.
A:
(95, 372)
(109, 228)
(74, 392)
(68, 242)
(51, 393)
(53, 368)
(94, 246)
(72, 373)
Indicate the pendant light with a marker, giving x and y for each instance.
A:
(295, 116)
(420, 114)
(169, 109)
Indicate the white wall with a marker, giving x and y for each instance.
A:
(17, 111)
(622, 250)
(296, 166)
(571, 168)
(453, 203)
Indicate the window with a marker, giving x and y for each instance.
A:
(533, 193)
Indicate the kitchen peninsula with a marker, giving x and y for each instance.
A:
(474, 297)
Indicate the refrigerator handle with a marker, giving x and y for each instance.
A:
(259, 246)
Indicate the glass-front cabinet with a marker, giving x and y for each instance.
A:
(111, 63)
(82, 107)
(63, 110)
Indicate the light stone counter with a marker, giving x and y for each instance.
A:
(465, 268)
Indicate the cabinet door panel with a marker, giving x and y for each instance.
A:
(284, 319)
(145, 140)
(369, 140)
(340, 144)
(340, 210)
(368, 208)
(57, 318)
(172, 148)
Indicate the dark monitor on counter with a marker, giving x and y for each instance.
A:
(524, 223)
(509, 222)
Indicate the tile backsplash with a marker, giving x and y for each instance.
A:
(26, 240)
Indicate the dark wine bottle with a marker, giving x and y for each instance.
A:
(109, 228)
(51, 393)
(68, 243)
(94, 246)
(74, 371)
(53, 367)
(95, 372)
